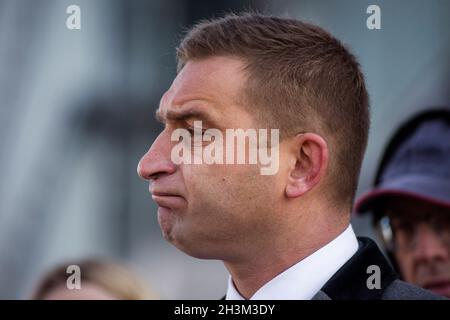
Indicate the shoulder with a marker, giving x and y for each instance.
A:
(400, 290)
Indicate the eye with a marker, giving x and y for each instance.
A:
(407, 228)
(441, 223)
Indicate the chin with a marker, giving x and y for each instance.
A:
(192, 246)
(166, 222)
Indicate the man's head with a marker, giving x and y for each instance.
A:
(411, 200)
(421, 241)
(254, 72)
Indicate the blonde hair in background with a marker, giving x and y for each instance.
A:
(112, 277)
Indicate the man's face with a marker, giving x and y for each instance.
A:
(422, 243)
(209, 210)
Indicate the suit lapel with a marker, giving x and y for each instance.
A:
(321, 296)
(350, 281)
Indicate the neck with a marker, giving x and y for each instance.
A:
(277, 254)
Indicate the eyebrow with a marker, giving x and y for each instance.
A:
(180, 115)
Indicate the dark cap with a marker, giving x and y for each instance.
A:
(416, 163)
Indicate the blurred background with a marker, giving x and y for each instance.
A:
(76, 114)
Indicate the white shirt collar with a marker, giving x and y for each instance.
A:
(304, 279)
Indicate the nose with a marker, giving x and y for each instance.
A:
(156, 162)
(429, 245)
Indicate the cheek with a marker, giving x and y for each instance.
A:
(227, 186)
(405, 263)
(207, 187)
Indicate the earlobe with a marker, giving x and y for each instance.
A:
(311, 162)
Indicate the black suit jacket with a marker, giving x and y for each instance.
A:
(350, 282)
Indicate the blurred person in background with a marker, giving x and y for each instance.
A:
(286, 235)
(410, 201)
(99, 279)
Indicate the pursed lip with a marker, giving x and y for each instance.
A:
(167, 199)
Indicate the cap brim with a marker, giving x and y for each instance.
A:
(424, 188)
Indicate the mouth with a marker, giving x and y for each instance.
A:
(168, 200)
(441, 287)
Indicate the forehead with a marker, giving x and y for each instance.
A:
(218, 80)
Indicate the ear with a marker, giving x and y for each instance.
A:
(311, 161)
